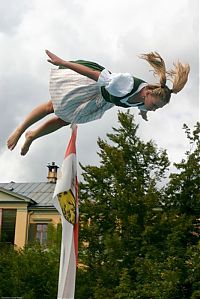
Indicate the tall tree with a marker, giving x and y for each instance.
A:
(117, 200)
(183, 189)
(139, 241)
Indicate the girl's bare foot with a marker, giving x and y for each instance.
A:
(29, 139)
(13, 139)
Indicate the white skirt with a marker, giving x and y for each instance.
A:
(76, 98)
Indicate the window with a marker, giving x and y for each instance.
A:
(7, 225)
(38, 232)
(41, 233)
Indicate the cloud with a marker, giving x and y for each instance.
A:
(12, 14)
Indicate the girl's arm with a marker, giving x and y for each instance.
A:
(81, 69)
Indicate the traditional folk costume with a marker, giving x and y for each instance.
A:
(79, 99)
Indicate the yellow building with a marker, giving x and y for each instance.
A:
(26, 210)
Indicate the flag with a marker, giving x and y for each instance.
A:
(65, 199)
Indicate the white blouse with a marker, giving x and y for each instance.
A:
(120, 84)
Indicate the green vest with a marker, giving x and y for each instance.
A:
(117, 100)
(106, 95)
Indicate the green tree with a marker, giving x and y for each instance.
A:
(183, 201)
(183, 190)
(31, 272)
(136, 240)
(117, 200)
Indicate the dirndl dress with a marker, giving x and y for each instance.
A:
(76, 98)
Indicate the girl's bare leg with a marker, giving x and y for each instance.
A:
(35, 115)
(48, 127)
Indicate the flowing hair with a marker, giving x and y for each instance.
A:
(178, 76)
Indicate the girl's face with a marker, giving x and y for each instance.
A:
(152, 102)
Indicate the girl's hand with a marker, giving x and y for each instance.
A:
(55, 60)
(143, 114)
(78, 68)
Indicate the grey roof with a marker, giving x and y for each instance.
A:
(41, 193)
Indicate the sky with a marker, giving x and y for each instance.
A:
(112, 33)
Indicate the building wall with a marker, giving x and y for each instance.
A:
(26, 216)
(44, 216)
(21, 226)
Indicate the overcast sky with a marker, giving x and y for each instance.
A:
(112, 33)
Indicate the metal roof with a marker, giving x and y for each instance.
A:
(41, 193)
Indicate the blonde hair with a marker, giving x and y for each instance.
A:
(178, 76)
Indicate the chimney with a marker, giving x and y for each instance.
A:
(52, 173)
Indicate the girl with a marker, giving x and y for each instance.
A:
(81, 91)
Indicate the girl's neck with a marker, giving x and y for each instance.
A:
(139, 97)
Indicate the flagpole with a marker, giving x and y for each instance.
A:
(65, 199)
